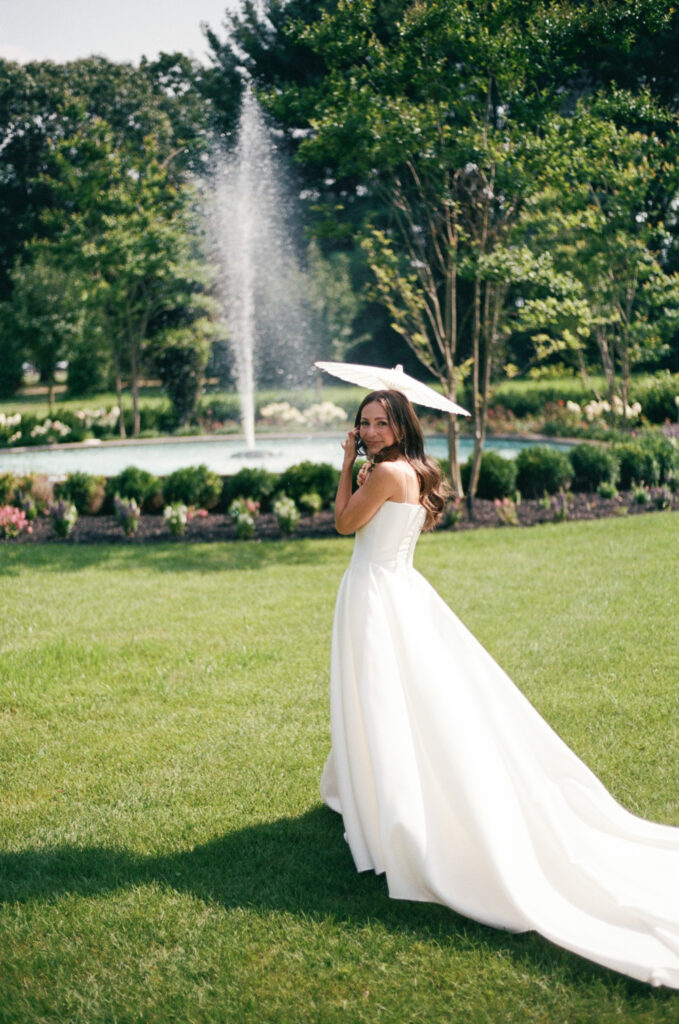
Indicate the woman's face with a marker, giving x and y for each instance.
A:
(374, 429)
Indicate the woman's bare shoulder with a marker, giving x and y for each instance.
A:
(389, 472)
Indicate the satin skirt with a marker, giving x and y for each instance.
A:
(451, 783)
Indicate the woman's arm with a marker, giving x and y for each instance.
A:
(354, 510)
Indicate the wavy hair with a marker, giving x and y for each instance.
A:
(406, 427)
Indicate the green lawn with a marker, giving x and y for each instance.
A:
(37, 404)
(165, 856)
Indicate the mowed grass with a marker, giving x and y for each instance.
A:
(164, 853)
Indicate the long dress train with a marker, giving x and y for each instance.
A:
(450, 782)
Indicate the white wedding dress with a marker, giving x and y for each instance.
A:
(450, 782)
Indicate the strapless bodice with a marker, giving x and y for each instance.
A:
(389, 538)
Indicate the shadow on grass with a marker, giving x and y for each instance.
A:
(297, 866)
(171, 557)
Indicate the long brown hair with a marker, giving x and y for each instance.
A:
(403, 421)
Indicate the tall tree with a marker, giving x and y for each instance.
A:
(46, 313)
(128, 229)
(601, 213)
(42, 103)
(431, 118)
(415, 106)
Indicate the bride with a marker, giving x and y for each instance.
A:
(446, 777)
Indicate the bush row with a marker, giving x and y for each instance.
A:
(650, 459)
(195, 486)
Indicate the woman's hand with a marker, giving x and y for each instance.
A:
(363, 473)
(350, 446)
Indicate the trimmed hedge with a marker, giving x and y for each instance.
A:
(250, 482)
(666, 453)
(497, 476)
(83, 490)
(306, 477)
(135, 483)
(638, 464)
(193, 485)
(593, 465)
(541, 470)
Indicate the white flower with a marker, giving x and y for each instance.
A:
(283, 412)
(572, 406)
(324, 414)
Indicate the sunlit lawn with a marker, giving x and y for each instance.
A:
(165, 856)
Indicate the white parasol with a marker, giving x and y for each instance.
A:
(380, 378)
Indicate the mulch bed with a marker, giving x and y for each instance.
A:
(219, 527)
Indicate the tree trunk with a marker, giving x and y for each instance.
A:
(450, 322)
(607, 363)
(453, 437)
(134, 381)
(478, 441)
(119, 391)
(624, 378)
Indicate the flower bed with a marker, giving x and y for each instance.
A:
(220, 527)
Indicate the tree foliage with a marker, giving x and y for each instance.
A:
(95, 160)
(438, 124)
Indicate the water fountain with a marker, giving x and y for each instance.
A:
(248, 223)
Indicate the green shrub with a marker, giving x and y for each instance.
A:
(11, 356)
(217, 409)
(541, 470)
(306, 477)
(136, 483)
(607, 489)
(528, 398)
(88, 371)
(638, 464)
(497, 476)
(8, 485)
(592, 466)
(153, 419)
(657, 397)
(311, 503)
(193, 485)
(249, 482)
(641, 495)
(85, 491)
(666, 453)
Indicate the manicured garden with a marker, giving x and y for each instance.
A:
(542, 483)
(164, 716)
